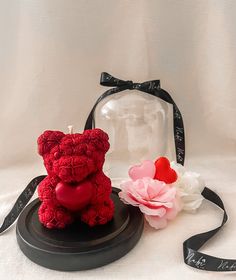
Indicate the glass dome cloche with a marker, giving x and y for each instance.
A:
(139, 125)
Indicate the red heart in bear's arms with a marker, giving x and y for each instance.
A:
(74, 197)
(164, 172)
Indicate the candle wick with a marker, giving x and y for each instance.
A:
(70, 127)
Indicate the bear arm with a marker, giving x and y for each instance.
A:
(46, 188)
(102, 187)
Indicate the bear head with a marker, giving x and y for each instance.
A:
(73, 157)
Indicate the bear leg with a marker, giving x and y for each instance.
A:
(98, 214)
(54, 216)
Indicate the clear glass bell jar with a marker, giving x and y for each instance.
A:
(139, 125)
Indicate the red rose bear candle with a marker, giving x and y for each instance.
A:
(75, 185)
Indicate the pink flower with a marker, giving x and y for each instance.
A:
(157, 200)
(161, 222)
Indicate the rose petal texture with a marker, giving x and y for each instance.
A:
(189, 186)
(157, 200)
(161, 222)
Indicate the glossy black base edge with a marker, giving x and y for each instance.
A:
(79, 247)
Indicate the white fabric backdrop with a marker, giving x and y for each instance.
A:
(51, 56)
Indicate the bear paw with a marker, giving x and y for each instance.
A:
(98, 214)
(53, 216)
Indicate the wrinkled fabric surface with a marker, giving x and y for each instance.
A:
(51, 57)
(158, 254)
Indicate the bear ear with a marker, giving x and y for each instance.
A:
(48, 140)
(98, 138)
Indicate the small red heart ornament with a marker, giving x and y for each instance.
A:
(74, 197)
(164, 172)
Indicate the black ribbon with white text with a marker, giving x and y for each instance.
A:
(152, 88)
(21, 202)
(192, 256)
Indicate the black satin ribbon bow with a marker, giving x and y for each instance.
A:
(110, 81)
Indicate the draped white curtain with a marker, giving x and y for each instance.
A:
(51, 55)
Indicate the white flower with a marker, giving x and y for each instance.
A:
(189, 185)
(179, 168)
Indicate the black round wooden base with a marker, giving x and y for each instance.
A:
(79, 247)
